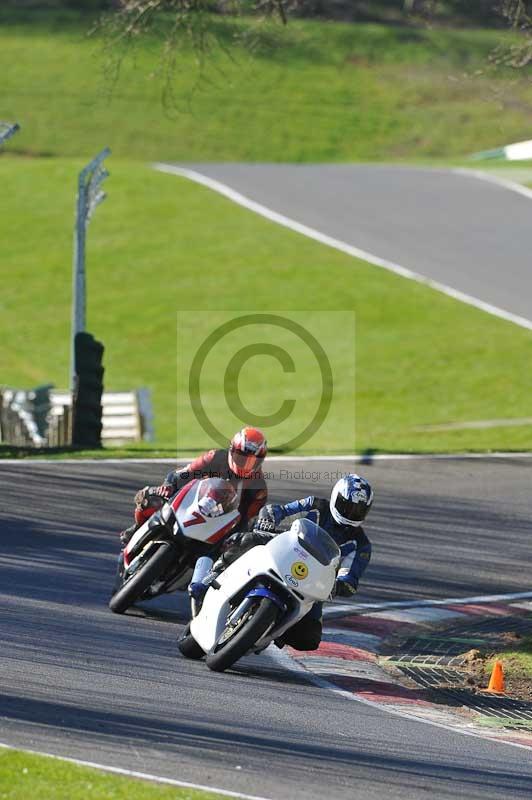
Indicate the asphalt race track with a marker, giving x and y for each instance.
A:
(77, 680)
(452, 228)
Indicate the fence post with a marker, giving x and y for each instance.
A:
(90, 195)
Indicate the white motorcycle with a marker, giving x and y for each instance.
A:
(261, 595)
(160, 556)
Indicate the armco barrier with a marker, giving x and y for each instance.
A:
(20, 425)
(127, 416)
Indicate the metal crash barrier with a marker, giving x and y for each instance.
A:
(42, 417)
(126, 416)
(19, 419)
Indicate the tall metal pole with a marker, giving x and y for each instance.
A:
(89, 196)
(78, 287)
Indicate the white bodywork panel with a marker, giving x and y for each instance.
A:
(283, 555)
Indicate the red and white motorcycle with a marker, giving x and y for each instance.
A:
(160, 556)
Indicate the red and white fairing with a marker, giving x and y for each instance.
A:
(193, 523)
(189, 520)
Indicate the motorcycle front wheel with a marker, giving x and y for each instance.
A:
(241, 635)
(142, 579)
(188, 646)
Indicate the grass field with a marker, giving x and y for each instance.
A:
(312, 92)
(162, 244)
(23, 775)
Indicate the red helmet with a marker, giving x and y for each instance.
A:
(247, 451)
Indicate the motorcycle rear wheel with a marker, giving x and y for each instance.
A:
(135, 587)
(228, 649)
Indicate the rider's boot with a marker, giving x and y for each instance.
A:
(125, 536)
(198, 586)
(205, 572)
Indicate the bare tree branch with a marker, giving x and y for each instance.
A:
(176, 25)
(517, 55)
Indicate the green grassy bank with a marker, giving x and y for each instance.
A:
(23, 775)
(313, 92)
(162, 245)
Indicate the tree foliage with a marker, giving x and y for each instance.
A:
(518, 13)
(176, 24)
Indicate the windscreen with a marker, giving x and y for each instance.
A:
(216, 497)
(317, 542)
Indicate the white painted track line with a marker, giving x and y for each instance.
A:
(139, 775)
(504, 183)
(340, 609)
(357, 459)
(288, 663)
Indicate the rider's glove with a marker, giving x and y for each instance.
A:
(345, 586)
(266, 525)
(272, 513)
(141, 497)
(152, 496)
(165, 490)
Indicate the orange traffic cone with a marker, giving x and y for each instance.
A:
(496, 684)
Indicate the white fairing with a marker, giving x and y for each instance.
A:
(282, 556)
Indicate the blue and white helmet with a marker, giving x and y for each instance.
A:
(351, 499)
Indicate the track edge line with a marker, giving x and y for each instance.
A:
(134, 774)
(337, 244)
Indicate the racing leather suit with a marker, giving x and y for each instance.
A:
(354, 545)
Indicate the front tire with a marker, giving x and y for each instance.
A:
(229, 649)
(135, 587)
(119, 575)
(188, 646)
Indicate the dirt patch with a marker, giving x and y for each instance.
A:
(440, 660)
(513, 652)
(517, 666)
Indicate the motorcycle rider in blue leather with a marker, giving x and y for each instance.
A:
(342, 517)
